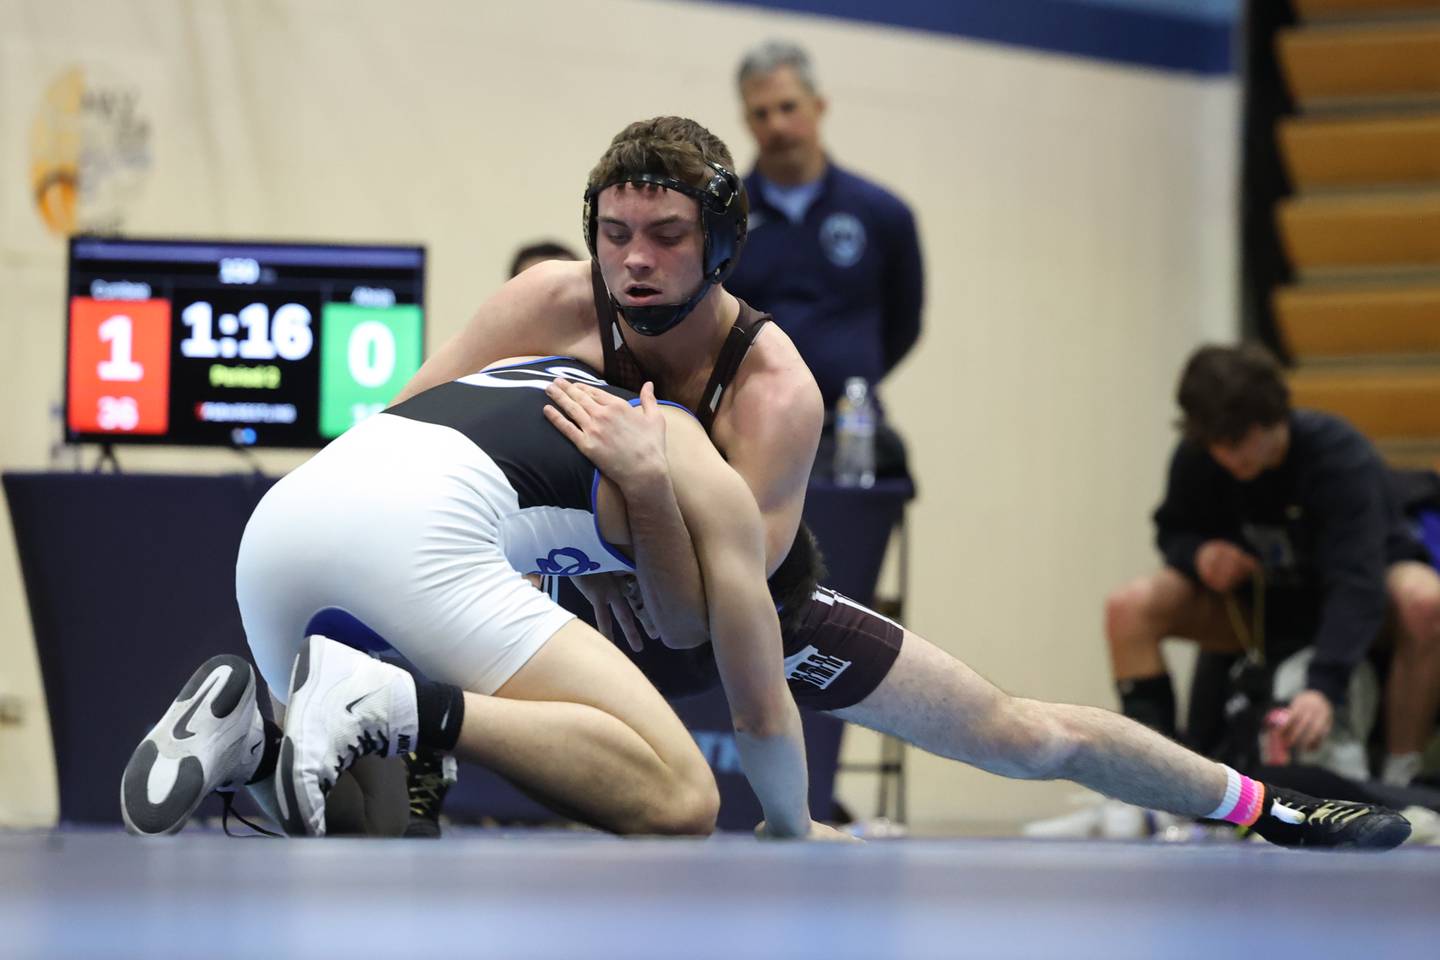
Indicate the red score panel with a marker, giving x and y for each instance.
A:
(119, 366)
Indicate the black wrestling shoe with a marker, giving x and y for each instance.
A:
(428, 778)
(1293, 819)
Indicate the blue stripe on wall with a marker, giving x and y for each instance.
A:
(1164, 39)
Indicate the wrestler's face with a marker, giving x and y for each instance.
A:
(1261, 449)
(783, 117)
(649, 244)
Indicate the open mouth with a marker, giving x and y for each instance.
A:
(641, 293)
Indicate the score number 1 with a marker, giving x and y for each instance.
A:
(119, 366)
(118, 413)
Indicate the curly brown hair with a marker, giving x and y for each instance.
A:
(664, 146)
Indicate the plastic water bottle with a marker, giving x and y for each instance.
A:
(855, 436)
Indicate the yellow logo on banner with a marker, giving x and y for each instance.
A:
(90, 152)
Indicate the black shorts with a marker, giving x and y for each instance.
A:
(836, 652)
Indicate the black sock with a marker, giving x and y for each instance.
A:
(273, 736)
(441, 710)
(1151, 701)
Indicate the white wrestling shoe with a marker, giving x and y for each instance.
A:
(211, 738)
(343, 706)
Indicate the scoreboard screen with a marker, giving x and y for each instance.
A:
(237, 344)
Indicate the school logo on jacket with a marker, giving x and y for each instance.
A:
(842, 237)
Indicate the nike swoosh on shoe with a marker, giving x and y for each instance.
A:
(182, 729)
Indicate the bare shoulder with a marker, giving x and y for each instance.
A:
(545, 311)
(561, 291)
(774, 397)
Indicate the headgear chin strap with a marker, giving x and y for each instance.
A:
(723, 223)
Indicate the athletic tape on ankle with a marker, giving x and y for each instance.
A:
(1243, 801)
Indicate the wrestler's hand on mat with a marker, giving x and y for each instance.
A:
(1311, 716)
(820, 832)
(607, 594)
(1222, 566)
(625, 443)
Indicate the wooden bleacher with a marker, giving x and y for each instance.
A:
(1319, 10)
(1330, 321)
(1396, 61)
(1390, 231)
(1323, 153)
(1361, 227)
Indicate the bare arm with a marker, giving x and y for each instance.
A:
(725, 525)
(770, 435)
(542, 312)
(628, 445)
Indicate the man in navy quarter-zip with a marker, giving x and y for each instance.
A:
(832, 256)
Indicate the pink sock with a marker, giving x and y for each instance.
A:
(1243, 802)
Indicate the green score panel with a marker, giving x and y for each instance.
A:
(366, 355)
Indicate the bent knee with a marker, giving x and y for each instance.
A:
(689, 809)
(1129, 606)
(1148, 604)
(1419, 609)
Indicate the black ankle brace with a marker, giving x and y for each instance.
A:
(440, 711)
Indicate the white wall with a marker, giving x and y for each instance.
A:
(1077, 219)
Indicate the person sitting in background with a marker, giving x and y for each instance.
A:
(1287, 513)
(834, 257)
(533, 253)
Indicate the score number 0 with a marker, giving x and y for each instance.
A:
(370, 355)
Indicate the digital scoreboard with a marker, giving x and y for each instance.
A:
(237, 344)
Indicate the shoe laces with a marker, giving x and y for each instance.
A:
(427, 784)
(1336, 813)
(227, 798)
(1319, 813)
(372, 741)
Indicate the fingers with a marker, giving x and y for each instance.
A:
(647, 397)
(603, 623)
(565, 425)
(637, 605)
(571, 401)
(620, 609)
(1306, 729)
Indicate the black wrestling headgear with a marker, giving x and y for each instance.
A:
(722, 221)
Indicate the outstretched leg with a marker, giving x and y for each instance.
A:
(934, 701)
(937, 703)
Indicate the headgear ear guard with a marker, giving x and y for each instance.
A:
(722, 223)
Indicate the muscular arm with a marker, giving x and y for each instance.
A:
(666, 565)
(542, 312)
(770, 435)
(725, 525)
(628, 444)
